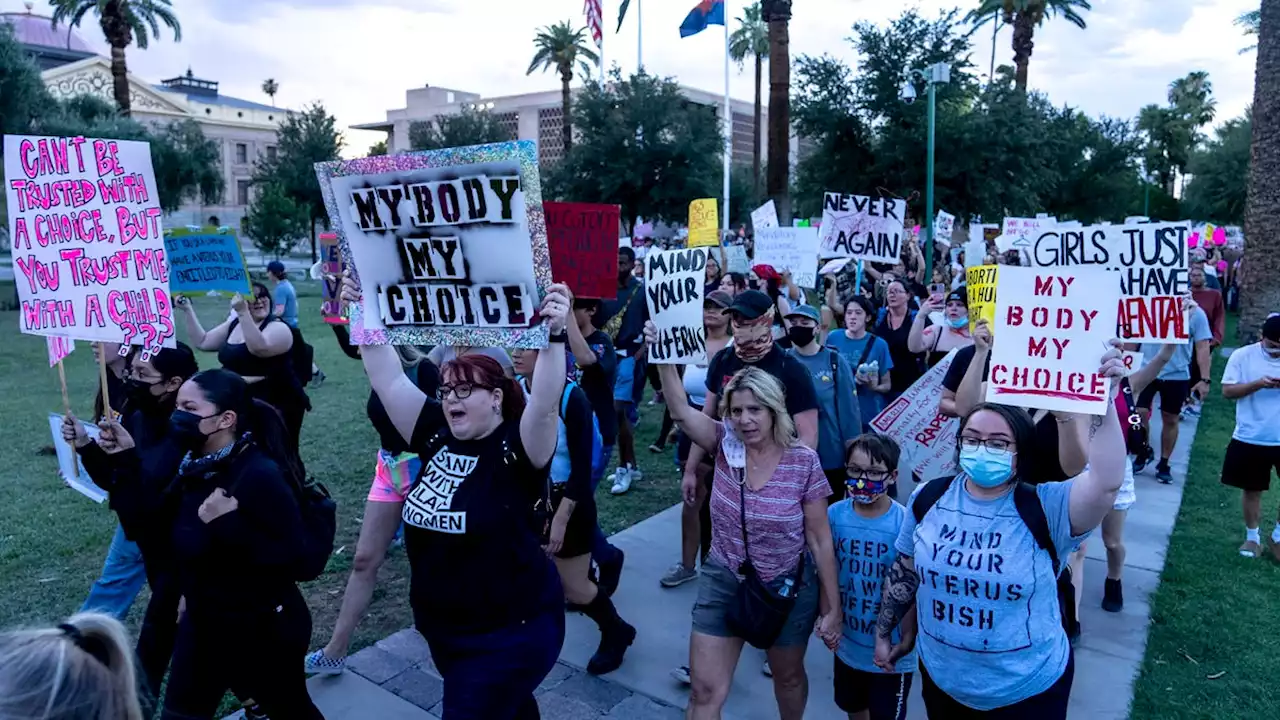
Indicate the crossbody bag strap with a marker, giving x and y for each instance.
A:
(834, 357)
(742, 510)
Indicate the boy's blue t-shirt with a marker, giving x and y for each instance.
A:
(869, 401)
(988, 598)
(864, 552)
(288, 297)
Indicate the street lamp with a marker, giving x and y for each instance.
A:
(932, 77)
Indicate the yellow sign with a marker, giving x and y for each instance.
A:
(704, 223)
(981, 285)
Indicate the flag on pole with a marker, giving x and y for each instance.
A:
(706, 12)
(622, 14)
(594, 11)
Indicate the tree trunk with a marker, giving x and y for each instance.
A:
(755, 143)
(1259, 291)
(1024, 30)
(778, 14)
(566, 108)
(120, 79)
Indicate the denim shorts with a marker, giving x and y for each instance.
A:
(717, 586)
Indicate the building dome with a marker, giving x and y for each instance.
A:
(38, 31)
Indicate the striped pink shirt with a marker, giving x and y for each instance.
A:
(775, 514)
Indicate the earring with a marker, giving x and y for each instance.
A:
(497, 410)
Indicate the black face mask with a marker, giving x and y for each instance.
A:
(184, 428)
(140, 392)
(800, 336)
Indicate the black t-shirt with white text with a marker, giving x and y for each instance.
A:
(795, 379)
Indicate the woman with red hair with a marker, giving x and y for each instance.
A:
(484, 593)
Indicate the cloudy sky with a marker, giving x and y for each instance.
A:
(359, 56)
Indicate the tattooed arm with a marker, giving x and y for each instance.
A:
(897, 608)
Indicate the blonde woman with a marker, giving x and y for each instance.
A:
(80, 670)
(769, 520)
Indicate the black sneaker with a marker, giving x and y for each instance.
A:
(611, 573)
(1074, 632)
(1143, 459)
(1164, 473)
(1113, 596)
(613, 647)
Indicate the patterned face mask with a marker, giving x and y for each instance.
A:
(753, 339)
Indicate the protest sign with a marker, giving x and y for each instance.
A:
(203, 261)
(764, 217)
(70, 469)
(1152, 262)
(1132, 361)
(863, 228)
(59, 348)
(1051, 330)
(331, 267)
(1136, 219)
(583, 241)
(834, 266)
(926, 436)
(88, 251)
(704, 223)
(1020, 233)
(980, 283)
(793, 249)
(674, 286)
(943, 228)
(975, 253)
(448, 246)
(737, 260)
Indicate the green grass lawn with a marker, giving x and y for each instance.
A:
(1215, 624)
(53, 540)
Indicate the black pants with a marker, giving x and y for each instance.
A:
(1048, 705)
(159, 630)
(255, 656)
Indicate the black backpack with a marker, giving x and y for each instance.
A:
(320, 522)
(1031, 511)
(302, 356)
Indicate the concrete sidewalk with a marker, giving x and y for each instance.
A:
(395, 680)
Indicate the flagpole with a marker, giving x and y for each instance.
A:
(728, 117)
(639, 35)
(600, 58)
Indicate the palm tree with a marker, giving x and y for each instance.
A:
(560, 47)
(124, 23)
(752, 38)
(269, 88)
(1248, 23)
(777, 14)
(1259, 291)
(1026, 16)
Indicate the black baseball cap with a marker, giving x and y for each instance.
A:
(750, 304)
(1271, 328)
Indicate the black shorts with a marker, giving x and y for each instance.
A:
(580, 532)
(1249, 467)
(884, 694)
(1173, 393)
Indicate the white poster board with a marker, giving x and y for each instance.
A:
(1020, 233)
(926, 436)
(70, 469)
(1151, 261)
(943, 228)
(88, 246)
(863, 228)
(791, 249)
(1052, 329)
(737, 260)
(764, 217)
(834, 266)
(674, 288)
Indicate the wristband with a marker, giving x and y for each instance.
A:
(561, 337)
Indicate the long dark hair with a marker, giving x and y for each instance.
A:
(1024, 435)
(261, 289)
(175, 362)
(99, 409)
(228, 391)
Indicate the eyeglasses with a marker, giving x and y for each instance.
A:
(261, 298)
(874, 476)
(999, 445)
(462, 391)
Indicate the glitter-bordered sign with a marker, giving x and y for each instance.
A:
(448, 246)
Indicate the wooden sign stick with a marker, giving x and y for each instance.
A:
(66, 408)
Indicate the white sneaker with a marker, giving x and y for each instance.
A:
(621, 481)
(636, 474)
(681, 675)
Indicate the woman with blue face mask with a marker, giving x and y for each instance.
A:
(935, 341)
(980, 556)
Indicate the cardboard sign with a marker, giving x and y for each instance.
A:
(674, 285)
(793, 249)
(737, 260)
(70, 469)
(704, 223)
(331, 267)
(980, 284)
(927, 437)
(1020, 233)
(583, 242)
(203, 261)
(448, 246)
(1151, 261)
(1052, 329)
(862, 228)
(88, 248)
(764, 217)
(943, 228)
(59, 348)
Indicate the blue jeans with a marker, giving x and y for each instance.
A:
(123, 576)
(600, 547)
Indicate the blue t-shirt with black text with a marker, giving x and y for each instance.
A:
(864, 553)
(988, 597)
(870, 401)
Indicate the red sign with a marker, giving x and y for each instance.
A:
(583, 242)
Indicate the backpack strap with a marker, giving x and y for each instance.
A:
(866, 350)
(834, 357)
(929, 495)
(569, 385)
(1027, 501)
